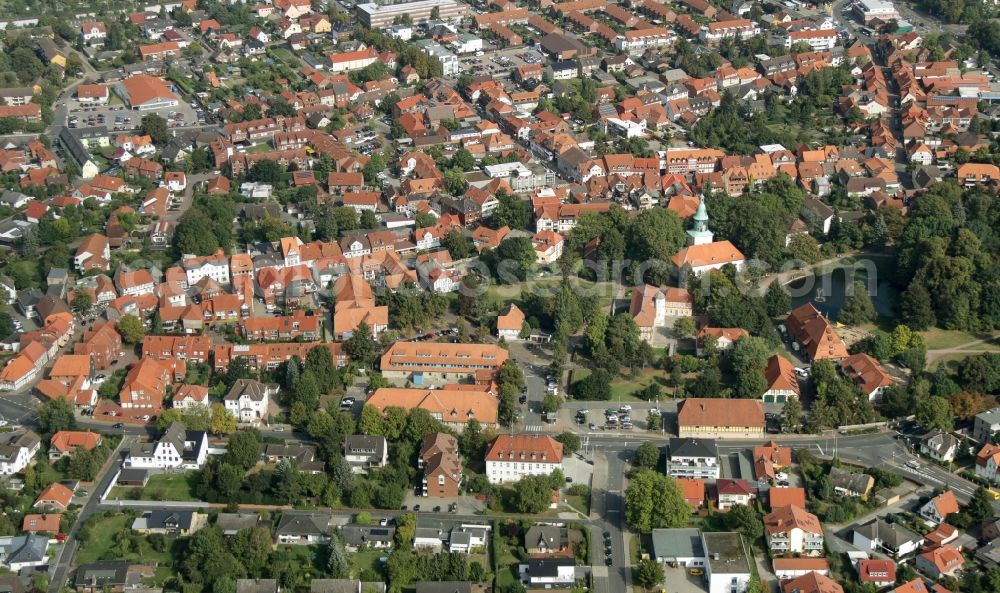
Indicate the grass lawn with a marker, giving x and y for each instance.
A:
(501, 294)
(938, 339)
(580, 503)
(160, 487)
(366, 560)
(100, 544)
(259, 148)
(623, 387)
(506, 577)
(949, 358)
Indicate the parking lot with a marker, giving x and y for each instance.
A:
(116, 117)
(500, 63)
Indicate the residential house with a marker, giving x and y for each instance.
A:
(546, 573)
(847, 483)
(939, 445)
(23, 551)
(48, 523)
(249, 400)
(782, 383)
(55, 497)
(93, 253)
(679, 547)
(793, 530)
(890, 538)
(510, 324)
(731, 492)
(693, 458)
(512, 457)
(547, 540)
(814, 335)
(303, 529)
(709, 417)
(811, 582)
(988, 463)
(102, 343)
(258, 586)
(877, 571)
(727, 562)
(442, 466)
(67, 442)
(770, 459)
(865, 372)
(985, 425)
(357, 537)
(365, 451)
(177, 448)
(945, 561)
(174, 523)
(938, 509)
(17, 449)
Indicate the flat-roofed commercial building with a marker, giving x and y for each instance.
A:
(377, 15)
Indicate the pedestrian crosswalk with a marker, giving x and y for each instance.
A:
(534, 428)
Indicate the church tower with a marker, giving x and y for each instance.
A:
(699, 234)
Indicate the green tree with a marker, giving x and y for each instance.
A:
(253, 546)
(371, 421)
(653, 501)
(155, 127)
(454, 181)
(131, 329)
(513, 259)
(375, 165)
(935, 413)
(647, 456)
(749, 358)
(649, 573)
(338, 563)
(685, 327)
(745, 520)
(360, 346)
(980, 506)
(81, 301)
(464, 160)
(858, 307)
(244, 449)
(594, 387)
(791, 415)
(55, 415)
(917, 308)
(777, 300)
(655, 236)
(195, 234)
(223, 422)
(266, 171)
(570, 442)
(406, 530)
(532, 494)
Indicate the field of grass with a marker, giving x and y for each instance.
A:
(101, 545)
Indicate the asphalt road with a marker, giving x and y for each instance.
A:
(60, 570)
